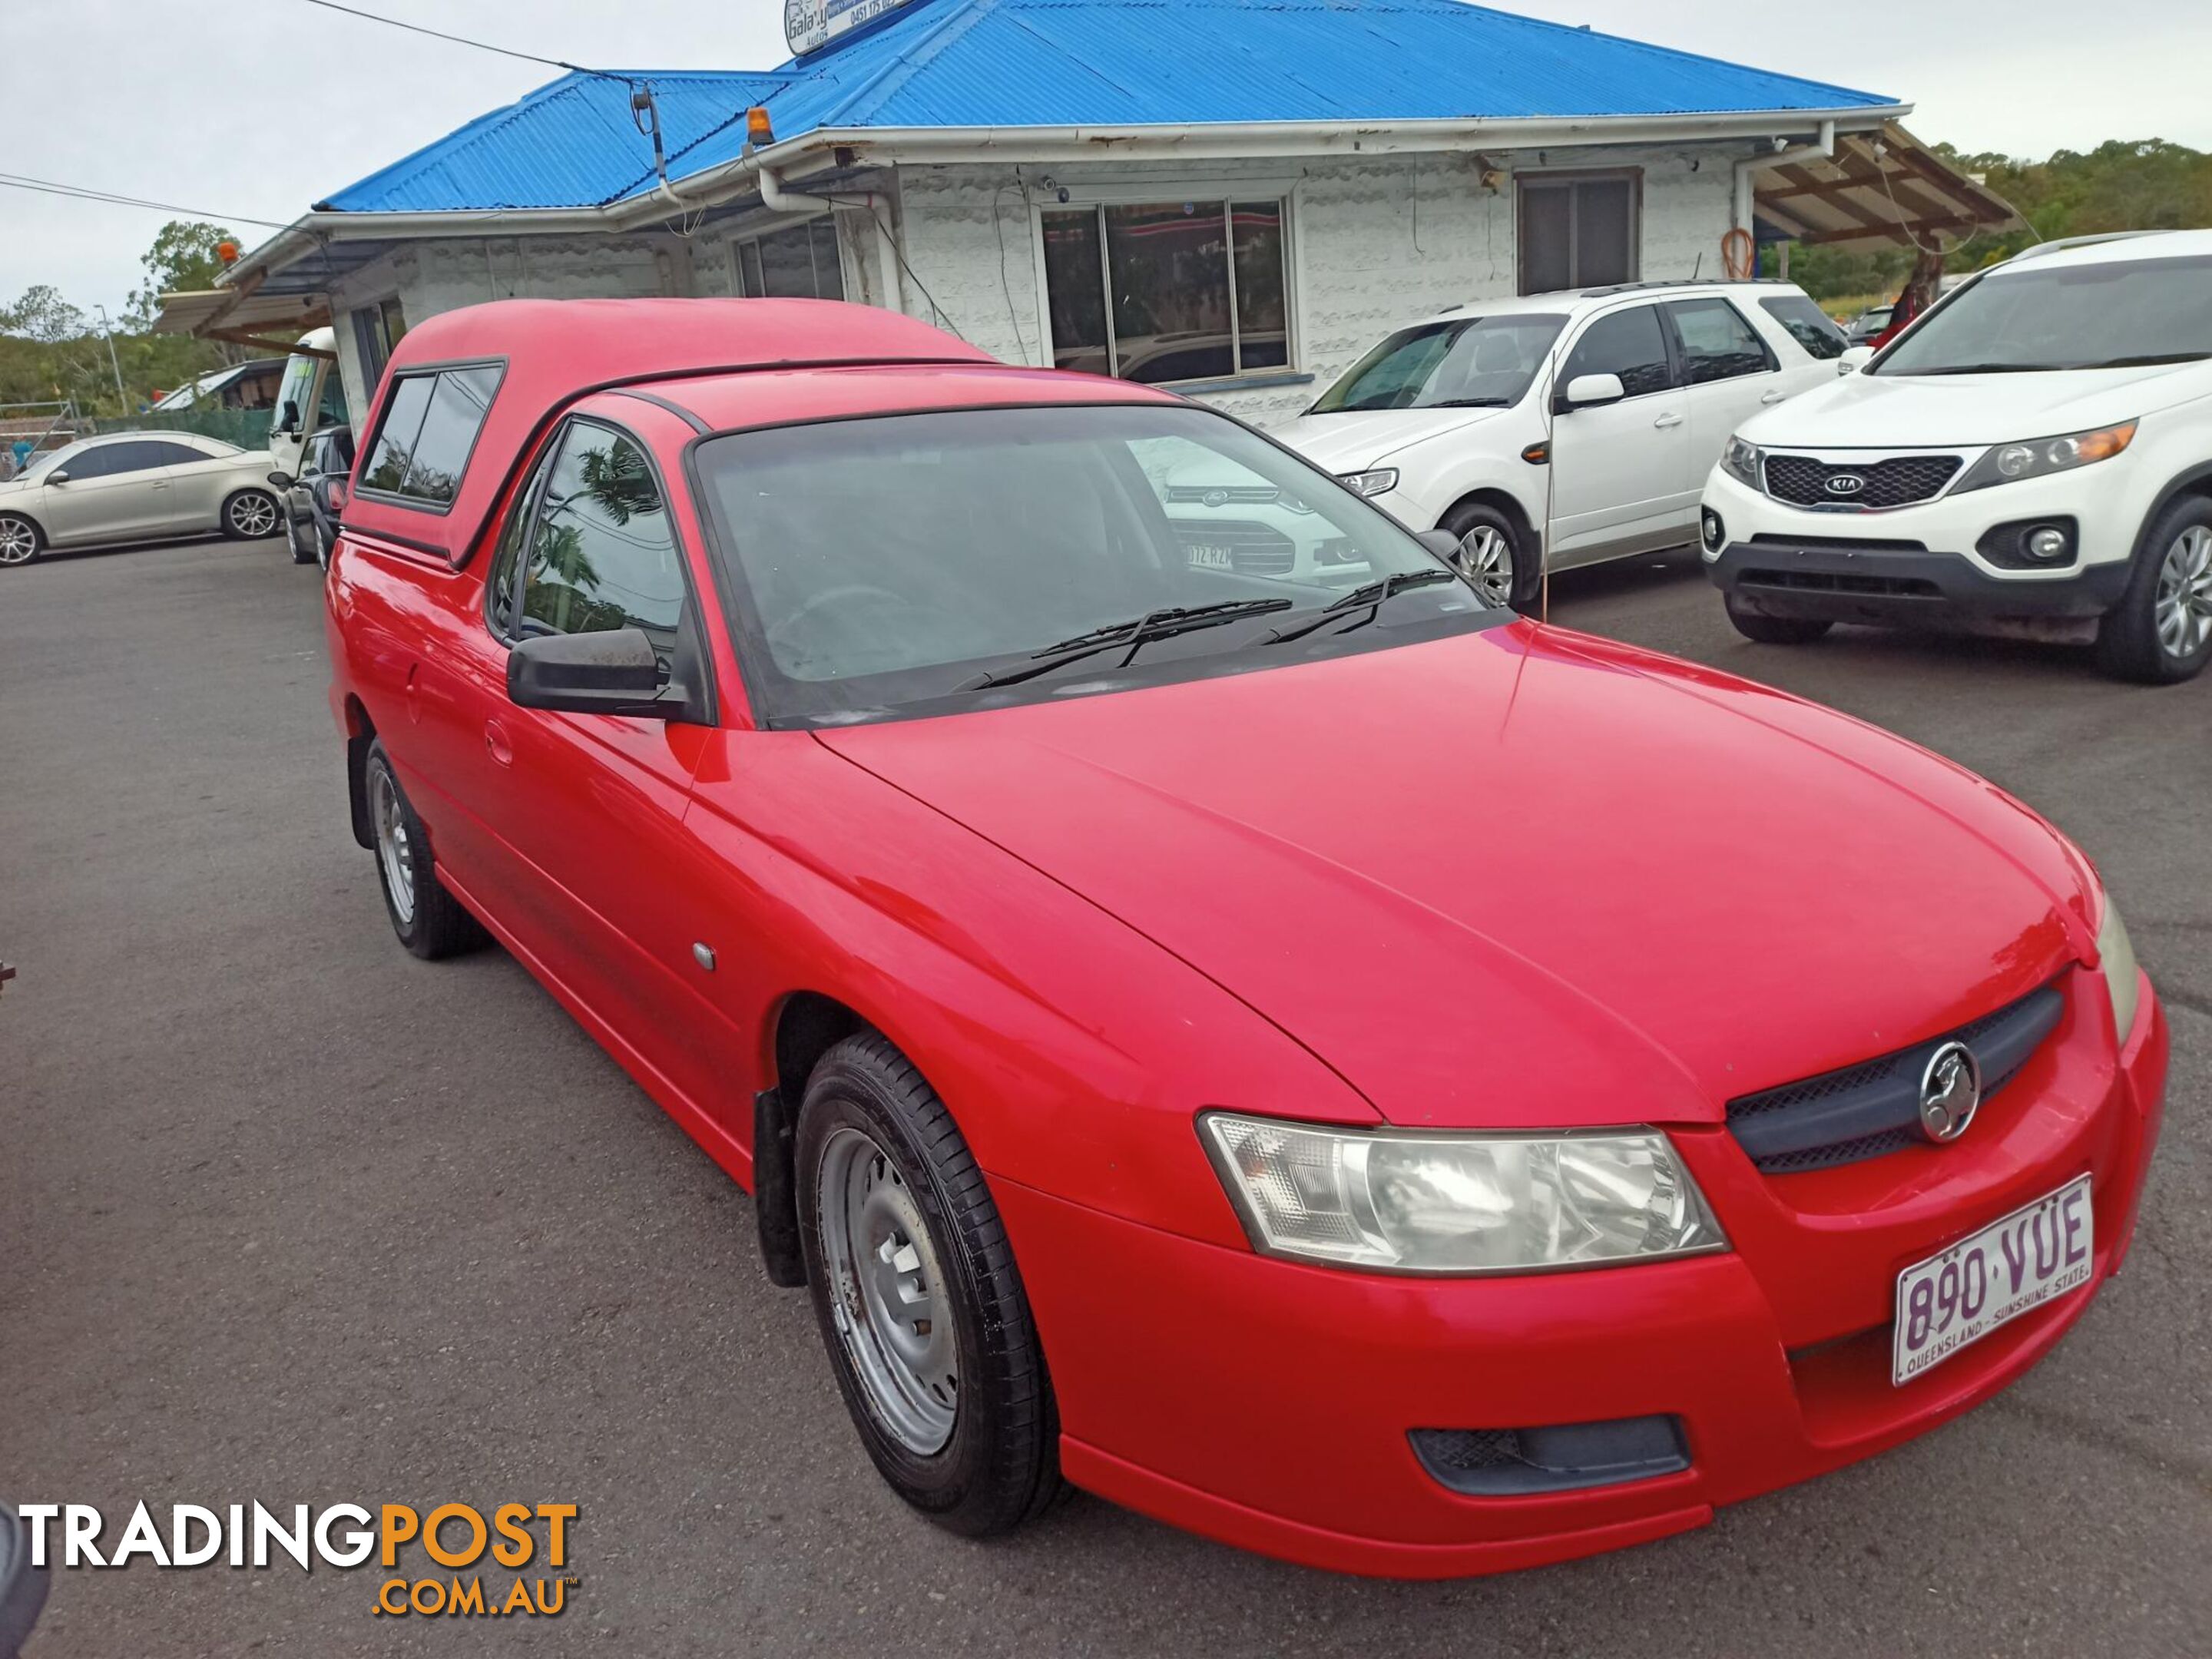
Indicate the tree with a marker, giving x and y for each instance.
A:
(43, 315)
(183, 259)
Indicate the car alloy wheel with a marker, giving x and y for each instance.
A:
(888, 1293)
(19, 541)
(395, 848)
(2184, 604)
(253, 516)
(1484, 558)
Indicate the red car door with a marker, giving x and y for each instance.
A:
(589, 808)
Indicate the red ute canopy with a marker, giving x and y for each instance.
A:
(554, 351)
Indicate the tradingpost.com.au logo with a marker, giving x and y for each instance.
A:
(527, 1543)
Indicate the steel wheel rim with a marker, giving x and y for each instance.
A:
(2184, 604)
(1485, 559)
(395, 849)
(253, 515)
(887, 1292)
(18, 542)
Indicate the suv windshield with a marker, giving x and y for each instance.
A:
(1467, 362)
(925, 563)
(2121, 314)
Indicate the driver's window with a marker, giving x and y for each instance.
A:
(601, 555)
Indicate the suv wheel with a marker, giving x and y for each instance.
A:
(1775, 630)
(2161, 631)
(918, 1299)
(1490, 557)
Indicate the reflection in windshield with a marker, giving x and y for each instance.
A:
(1464, 362)
(2125, 314)
(903, 559)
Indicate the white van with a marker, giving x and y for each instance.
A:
(310, 397)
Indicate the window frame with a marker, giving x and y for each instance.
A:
(1668, 344)
(412, 371)
(1141, 192)
(1569, 178)
(1679, 351)
(530, 500)
(753, 239)
(117, 446)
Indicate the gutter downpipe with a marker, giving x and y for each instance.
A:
(1824, 150)
(777, 199)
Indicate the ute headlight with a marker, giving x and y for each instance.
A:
(1373, 483)
(2116, 955)
(1395, 1202)
(1742, 461)
(2042, 456)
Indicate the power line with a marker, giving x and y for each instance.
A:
(463, 40)
(84, 193)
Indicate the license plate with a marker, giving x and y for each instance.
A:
(1203, 556)
(2038, 1252)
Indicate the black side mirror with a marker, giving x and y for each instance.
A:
(614, 672)
(1442, 543)
(281, 480)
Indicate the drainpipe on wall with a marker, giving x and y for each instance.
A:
(776, 198)
(1823, 150)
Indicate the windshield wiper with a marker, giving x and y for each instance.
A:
(1369, 596)
(1135, 633)
(2150, 361)
(1982, 369)
(1467, 402)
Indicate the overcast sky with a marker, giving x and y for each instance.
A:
(256, 108)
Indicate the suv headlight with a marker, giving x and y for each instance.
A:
(1371, 483)
(2008, 463)
(1458, 1204)
(2116, 955)
(1742, 461)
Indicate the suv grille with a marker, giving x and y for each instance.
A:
(1897, 482)
(1873, 1108)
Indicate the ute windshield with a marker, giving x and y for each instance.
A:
(2119, 314)
(1464, 362)
(938, 561)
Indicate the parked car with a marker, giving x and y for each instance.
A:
(1597, 412)
(249, 385)
(1071, 946)
(310, 397)
(2037, 449)
(313, 500)
(126, 487)
(1868, 324)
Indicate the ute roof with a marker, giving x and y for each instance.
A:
(734, 402)
(553, 351)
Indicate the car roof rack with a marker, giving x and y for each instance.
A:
(2041, 248)
(1608, 291)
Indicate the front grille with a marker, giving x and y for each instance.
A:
(1824, 581)
(1557, 1458)
(1873, 1108)
(1840, 544)
(1899, 481)
(1254, 550)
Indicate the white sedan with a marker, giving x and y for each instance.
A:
(136, 487)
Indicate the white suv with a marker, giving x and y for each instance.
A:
(2036, 450)
(1598, 412)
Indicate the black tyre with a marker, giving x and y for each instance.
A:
(300, 539)
(429, 920)
(1496, 558)
(251, 514)
(322, 547)
(21, 540)
(2161, 632)
(918, 1297)
(1775, 630)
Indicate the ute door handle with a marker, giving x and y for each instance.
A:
(1667, 421)
(496, 741)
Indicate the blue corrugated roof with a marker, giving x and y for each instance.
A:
(1084, 62)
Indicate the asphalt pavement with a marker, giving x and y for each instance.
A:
(288, 1216)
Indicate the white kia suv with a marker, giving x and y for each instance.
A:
(2036, 452)
(1597, 412)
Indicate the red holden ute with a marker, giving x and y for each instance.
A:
(1213, 1013)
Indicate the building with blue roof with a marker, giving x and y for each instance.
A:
(1234, 197)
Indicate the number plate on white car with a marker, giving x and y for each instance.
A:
(2038, 1252)
(1205, 555)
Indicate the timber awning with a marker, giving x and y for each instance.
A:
(1883, 189)
(270, 322)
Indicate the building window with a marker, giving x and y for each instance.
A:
(1579, 231)
(376, 330)
(798, 264)
(1168, 290)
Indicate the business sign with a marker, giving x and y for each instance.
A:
(811, 25)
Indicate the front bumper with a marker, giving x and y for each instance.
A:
(1919, 561)
(1268, 1404)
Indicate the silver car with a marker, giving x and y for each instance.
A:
(136, 487)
